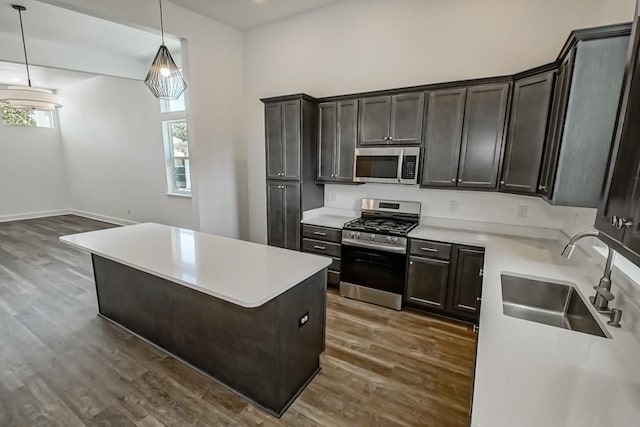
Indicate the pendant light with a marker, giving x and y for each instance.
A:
(164, 79)
(28, 97)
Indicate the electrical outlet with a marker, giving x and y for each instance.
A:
(331, 196)
(453, 206)
(303, 320)
(522, 211)
(128, 211)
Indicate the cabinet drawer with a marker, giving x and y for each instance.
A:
(321, 233)
(320, 247)
(430, 249)
(335, 265)
(333, 278)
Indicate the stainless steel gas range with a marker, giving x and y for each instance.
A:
(374, 252)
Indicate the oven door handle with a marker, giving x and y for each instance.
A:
(384, 248)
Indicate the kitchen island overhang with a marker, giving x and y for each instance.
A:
(259, 332)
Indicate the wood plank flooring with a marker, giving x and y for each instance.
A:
(62, 365)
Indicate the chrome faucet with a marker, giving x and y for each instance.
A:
(603, 291)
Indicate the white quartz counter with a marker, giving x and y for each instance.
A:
(529, 374)
(330, 221)
(243, 273)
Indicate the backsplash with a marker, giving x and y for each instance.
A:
(495, 208)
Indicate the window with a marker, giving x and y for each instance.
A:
(29, 118)
(177, 150)
(172, 106)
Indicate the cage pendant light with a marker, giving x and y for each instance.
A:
(28, 97)
(164, 79)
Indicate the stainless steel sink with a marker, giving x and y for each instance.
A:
(548, 303)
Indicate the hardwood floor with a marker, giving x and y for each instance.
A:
(62, 365)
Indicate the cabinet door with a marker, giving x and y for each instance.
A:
(275, 147)
(427, 282)
(443, 135)
(292, 215)
(483, 136)
(556, 127)
(347, 139)
(327, 141)
(375, 120)
(527, 133)
(291, 118)
(407, 112)
(275, 214)
(468, 282)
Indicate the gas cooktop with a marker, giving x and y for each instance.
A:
(381, 225)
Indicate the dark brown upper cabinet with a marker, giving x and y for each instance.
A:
(282, 120)
(619, 214)
(338, 131)
(584, 116)
(483, 135)
(464, 136)
(393, 119)
(443, 136)
(291, 131)
(527, 132)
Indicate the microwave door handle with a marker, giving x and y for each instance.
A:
(400, 162)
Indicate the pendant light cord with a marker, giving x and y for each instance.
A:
(161, 23)
(24, 47)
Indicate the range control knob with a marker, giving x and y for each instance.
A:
(353, 235)
(395, 240)
(372, 237)
(388, 239)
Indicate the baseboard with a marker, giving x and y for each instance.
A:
(103, 218)
(33, 215)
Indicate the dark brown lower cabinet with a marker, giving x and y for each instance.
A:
(467, 285)
(324, 241)
(449, 287)
(428, 282)
(283, 214)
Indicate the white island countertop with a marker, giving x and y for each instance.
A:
(530, 374)
(243, 273)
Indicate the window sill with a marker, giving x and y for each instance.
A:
(182, 195)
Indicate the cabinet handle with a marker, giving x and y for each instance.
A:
(459, 179)
(453, 180)
(475, 329)
(319, 233)
(429, 249)
(322, 248)
(390, 138)
(478, 299)
(501, 182)
(481, 273)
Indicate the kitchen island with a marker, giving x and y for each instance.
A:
(250, 316)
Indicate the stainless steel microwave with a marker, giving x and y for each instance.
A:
(386, 165)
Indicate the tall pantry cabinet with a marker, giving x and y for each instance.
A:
(291, 158)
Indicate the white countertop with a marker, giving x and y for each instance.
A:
(529, 374)
(331, 221)
(243, 273)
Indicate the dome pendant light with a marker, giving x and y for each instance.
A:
(164, 79)
(28, 97)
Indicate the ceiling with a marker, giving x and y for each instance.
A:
(46, 22)
(50, 78)
(248, 14)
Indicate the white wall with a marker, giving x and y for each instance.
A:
(215, 103)
(32, 177)
(113, 145)
(363, 45)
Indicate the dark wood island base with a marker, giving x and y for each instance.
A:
(267, 354)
